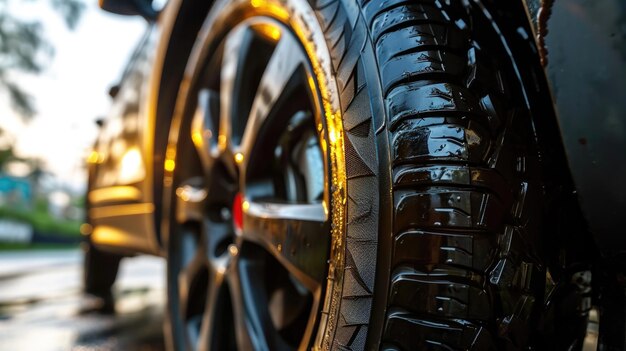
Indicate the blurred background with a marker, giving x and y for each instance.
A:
(57, 60)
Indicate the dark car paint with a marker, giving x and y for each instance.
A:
(584, 43)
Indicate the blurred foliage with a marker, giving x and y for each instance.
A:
(22, 45)
(41, 220)
(6, 149)
(7, 155)
(33, 246)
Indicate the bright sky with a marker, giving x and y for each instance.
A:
(72, 92)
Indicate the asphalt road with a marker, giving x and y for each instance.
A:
(40, 297)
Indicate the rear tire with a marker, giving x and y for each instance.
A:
(99, 274)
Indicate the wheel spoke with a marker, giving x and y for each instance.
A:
(253, 324)
(209, 326)
(295, 234)
(191, 209)
(204, 127)
(193, 259)
(235, 52)
(276, 83)
(190, 201)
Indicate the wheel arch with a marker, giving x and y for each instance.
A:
(579, 46)
(570, 228)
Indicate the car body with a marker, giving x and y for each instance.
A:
(552, 140)
(585, 143)
(119, 164)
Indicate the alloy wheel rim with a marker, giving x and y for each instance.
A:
(261, 157)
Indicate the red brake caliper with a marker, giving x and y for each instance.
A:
(238, 212)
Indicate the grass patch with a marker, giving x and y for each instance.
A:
(35, 246)
(42, 221)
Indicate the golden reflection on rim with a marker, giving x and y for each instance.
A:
(314, 41)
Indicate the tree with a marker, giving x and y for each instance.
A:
(22, 44)
(36, 166)
(6, 148)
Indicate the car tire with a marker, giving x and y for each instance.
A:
(99, 274)
(435, 177)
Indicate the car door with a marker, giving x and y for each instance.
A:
(119, 195)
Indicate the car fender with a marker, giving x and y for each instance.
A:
(582, 46)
